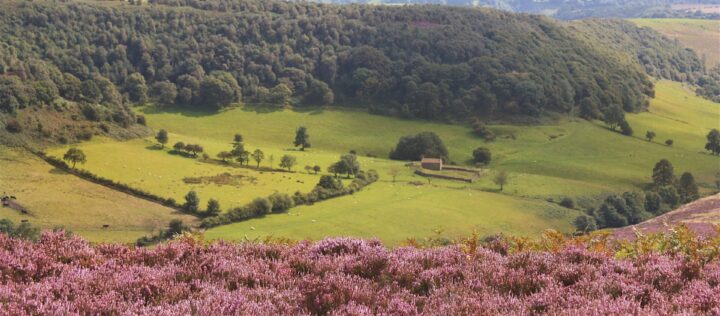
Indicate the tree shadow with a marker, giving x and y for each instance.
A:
(179, 110)
(57, 171)
(262, 109)
(153, 147)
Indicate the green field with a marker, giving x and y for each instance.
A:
(394, 212)
(57, 199)
(703, 36)
(574, 158)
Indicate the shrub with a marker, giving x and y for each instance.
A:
(261, 206)
(625, 128)
(669, 142)
(567, 202)
(330, 183)
(140, 119)
(585, 223)
(281, 202)
(91, 113)
(482, 155)
(13, 126)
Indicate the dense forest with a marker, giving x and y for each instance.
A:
(416, 61)
(570, 9)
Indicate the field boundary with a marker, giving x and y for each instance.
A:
(108, 183)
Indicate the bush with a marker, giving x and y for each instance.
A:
(480, 129)
(482, 155)
(415, 147)
(567, 202)
(13, 126)
(625, 128)
(91, 113)
(585, 223)
(261, 206)
(330, 183)
(281, 202)
(669, 142)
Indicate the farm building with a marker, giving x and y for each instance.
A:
(432, 163)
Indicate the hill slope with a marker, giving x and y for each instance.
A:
(430, 62)
(54, 198)
(703, 36)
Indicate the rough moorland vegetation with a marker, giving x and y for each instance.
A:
(673, 274)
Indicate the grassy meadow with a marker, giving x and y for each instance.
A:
(573, 158)
(703, 36)
(57, 199)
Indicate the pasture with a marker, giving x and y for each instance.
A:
(572, 158)
(57, 199)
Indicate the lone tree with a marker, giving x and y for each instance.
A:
(192, 202)
(258, 155)
(501, 179)
(317, 169)
(482, 155)
(669, 142)
(162, 138)
(663, 173)
(650, 135)
(302, 138)
(74, 156)
(213, 208)
(713, 141)
(288, 162)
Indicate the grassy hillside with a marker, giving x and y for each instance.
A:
(395, 212)
(56, 199)
(575, 158)
(703, 36)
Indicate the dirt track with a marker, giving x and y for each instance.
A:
(701, 216)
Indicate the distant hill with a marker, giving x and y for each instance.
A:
(87, 61)
(578, 9)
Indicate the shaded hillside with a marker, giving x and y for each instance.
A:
(428, 62)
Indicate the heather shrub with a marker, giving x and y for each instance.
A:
(676, 273)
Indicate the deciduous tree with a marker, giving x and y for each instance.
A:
(75, 155)
(162, 138)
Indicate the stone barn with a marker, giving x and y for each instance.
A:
(431, 163)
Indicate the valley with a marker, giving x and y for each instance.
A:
(575, 158)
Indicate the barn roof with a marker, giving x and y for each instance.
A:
(431, 160)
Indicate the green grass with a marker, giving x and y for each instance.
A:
(394, 212)
(57, 199)
(703, 36)
(573, 158)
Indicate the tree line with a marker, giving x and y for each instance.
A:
(426, 62)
